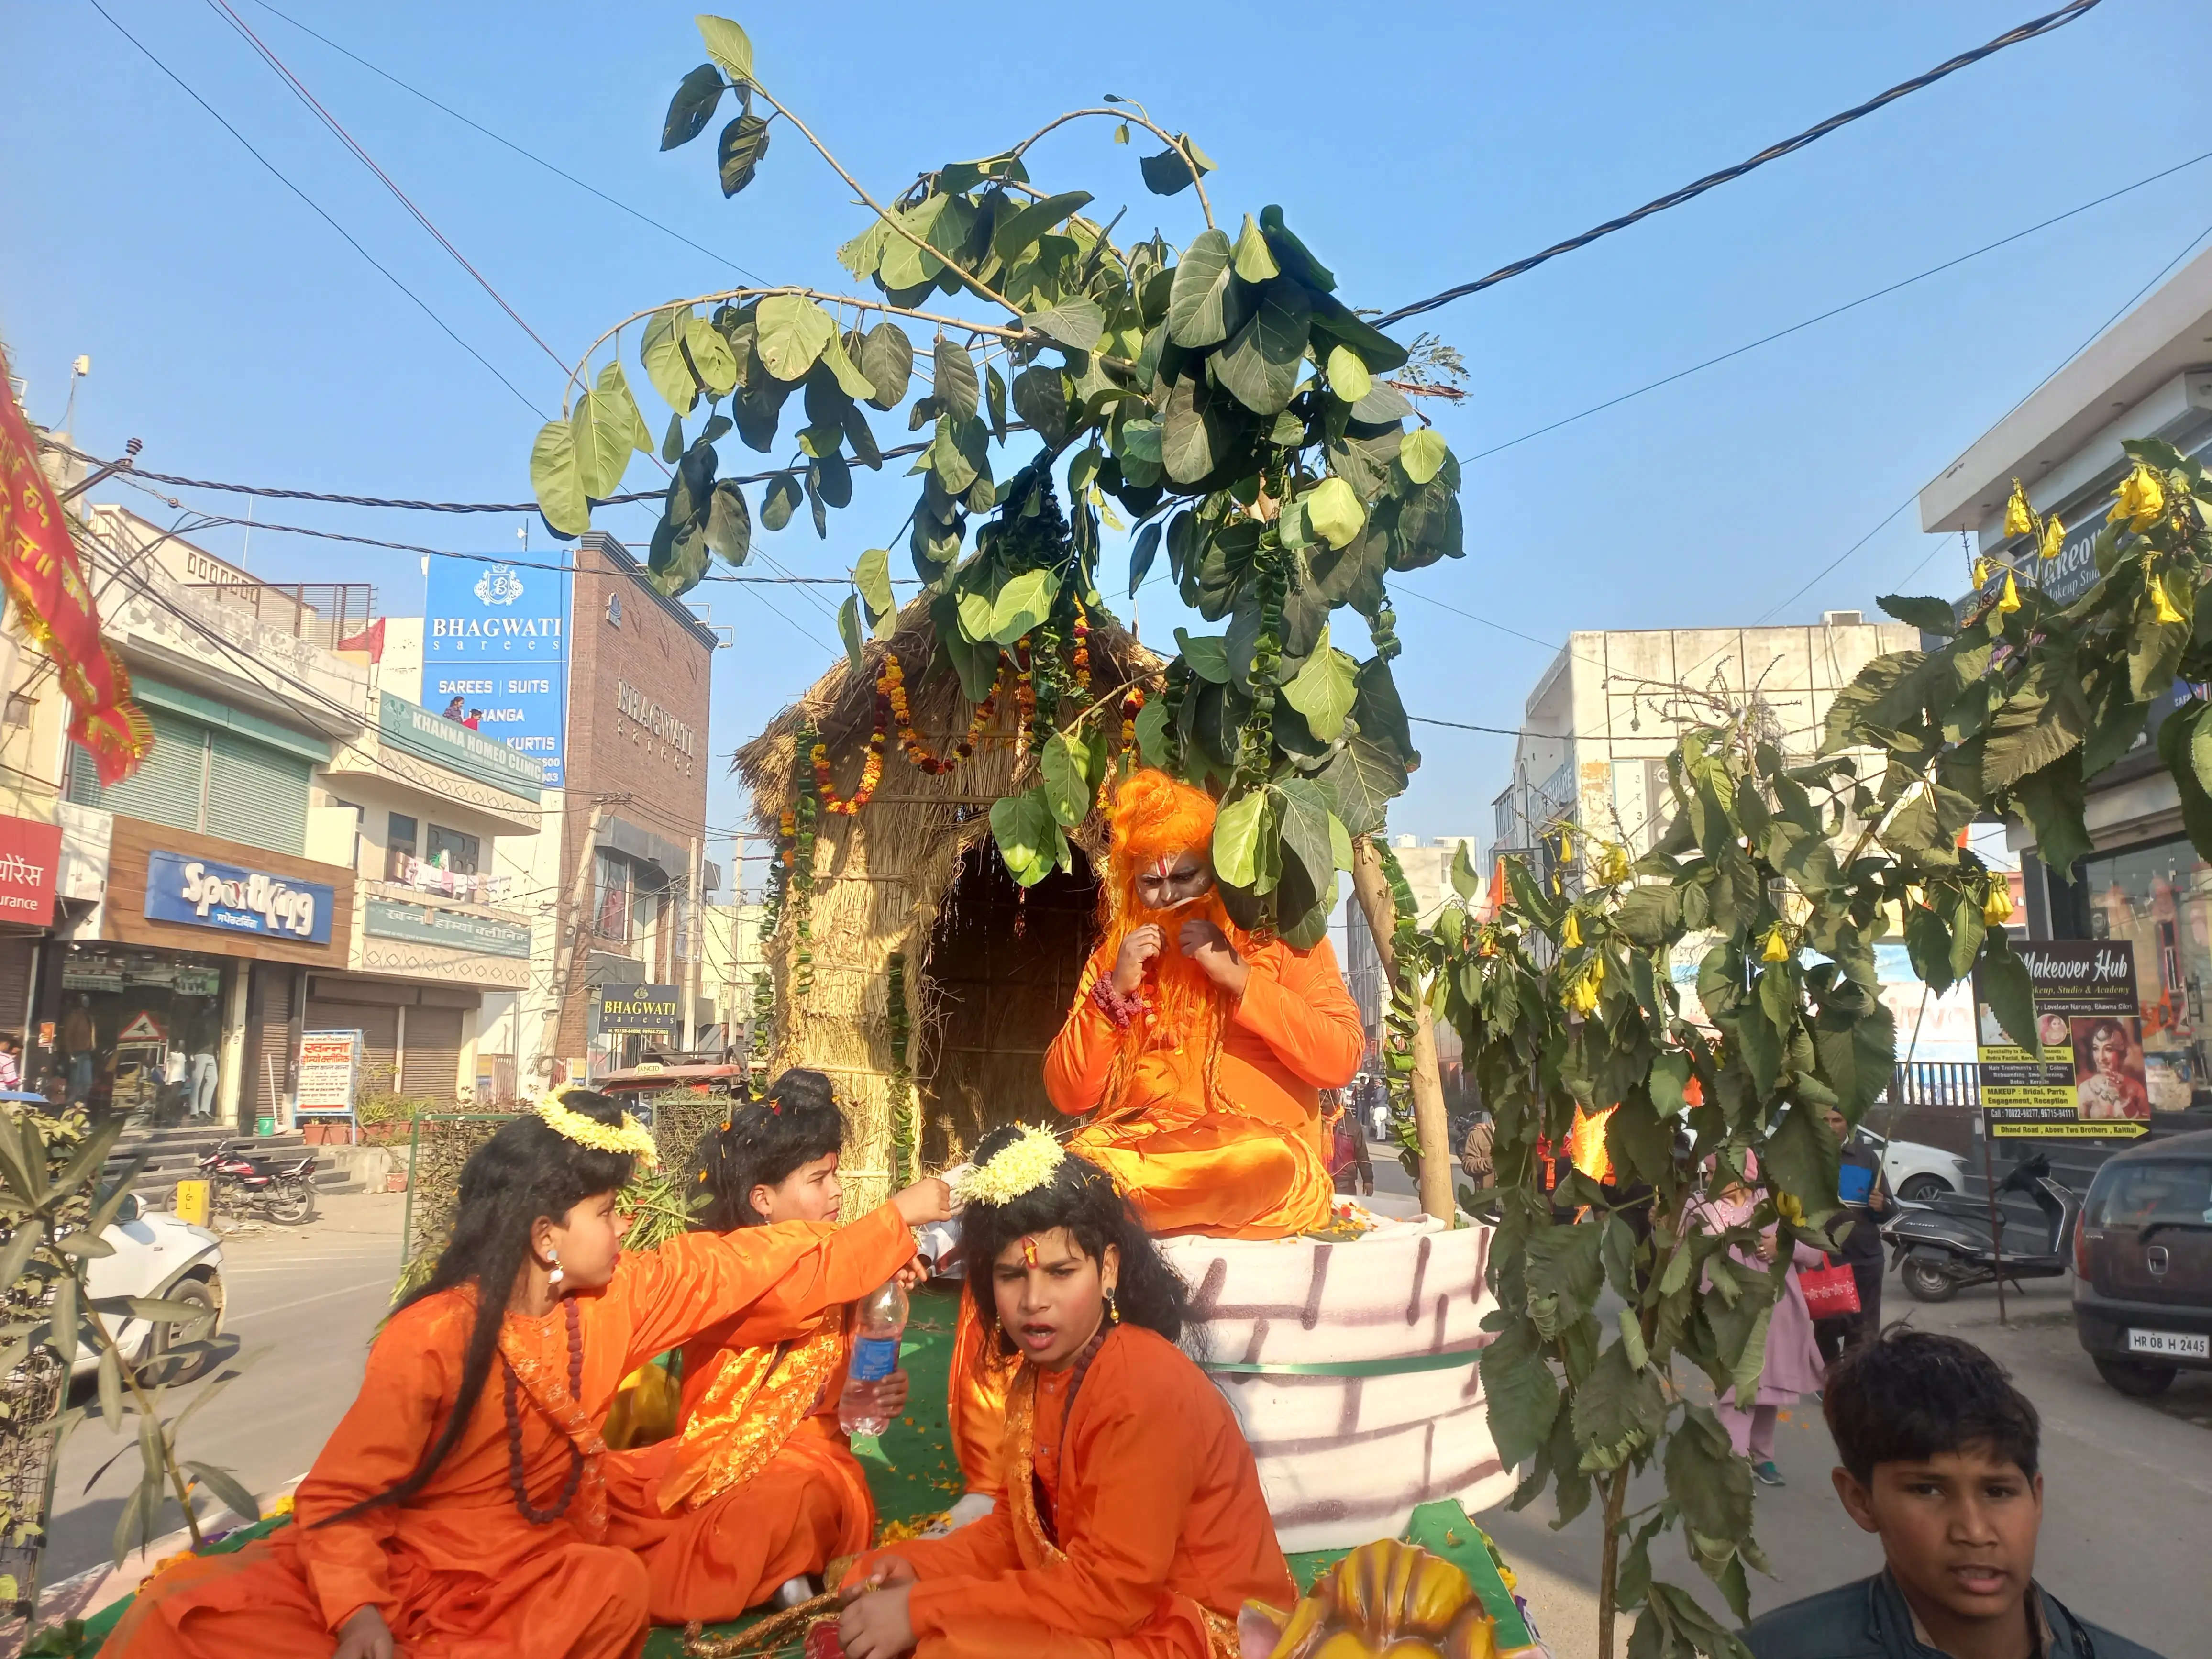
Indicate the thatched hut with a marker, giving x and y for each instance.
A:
(911, 889)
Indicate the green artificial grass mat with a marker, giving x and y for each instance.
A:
(913, 1473)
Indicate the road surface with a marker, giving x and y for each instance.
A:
(302, 1305)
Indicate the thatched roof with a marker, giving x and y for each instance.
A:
(841, 707)
(883, 880)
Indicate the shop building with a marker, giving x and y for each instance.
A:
(2147, 376)
(603, 680)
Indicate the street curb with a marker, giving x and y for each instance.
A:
(85, 1592)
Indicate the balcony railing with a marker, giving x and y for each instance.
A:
(415, 875)
(328, 614)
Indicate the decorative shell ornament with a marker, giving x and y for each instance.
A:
(1384, 1601)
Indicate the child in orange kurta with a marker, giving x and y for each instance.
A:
(1203, 1053)
(760, 1484)
(461, 1508)
(1131, 1523)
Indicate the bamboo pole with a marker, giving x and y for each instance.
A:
(1372, 891)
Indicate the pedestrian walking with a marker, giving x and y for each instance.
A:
(1793, 1360)
(1866, 1200)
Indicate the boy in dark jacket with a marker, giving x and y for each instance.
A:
(1939, 1454)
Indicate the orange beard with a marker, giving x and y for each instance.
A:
(1185, 1010)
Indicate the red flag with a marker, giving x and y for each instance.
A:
(370, 639)
(39, 568)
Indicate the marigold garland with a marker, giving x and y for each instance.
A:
(891, 682)
(632, 1137)
(1023, 1165)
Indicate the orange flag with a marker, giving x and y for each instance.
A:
(39, 568)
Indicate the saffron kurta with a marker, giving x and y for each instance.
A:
(1144, 1532)
(1248, 1163)
(459, 1572)
(759, 1485)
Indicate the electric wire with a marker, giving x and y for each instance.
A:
(319, 211)
(299, 89)
(498, 139)
(2027, 31)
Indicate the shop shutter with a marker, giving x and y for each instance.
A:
(434, 1052)
(258, 794)
(16, 958)
(269, 1038)
(167, 787)
(378, 1024)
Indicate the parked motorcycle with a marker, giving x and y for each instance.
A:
(245, 1183)
(1945, 1246)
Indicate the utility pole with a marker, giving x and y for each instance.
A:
(1372, 889)
(695, 932)
(564, 958)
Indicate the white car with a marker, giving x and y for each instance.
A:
(158, 1256)
(1916, 1172)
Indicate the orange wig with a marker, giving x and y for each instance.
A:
(1156, 817)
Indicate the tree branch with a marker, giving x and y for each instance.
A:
(1125, 113)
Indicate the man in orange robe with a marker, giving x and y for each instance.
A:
(458, 1571)
(1152, 1535)
(1204, 1055)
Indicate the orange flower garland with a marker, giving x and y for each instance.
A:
(1082, 657)
(872, 769)
(891, 682)
(787, 829)
(1024, 696)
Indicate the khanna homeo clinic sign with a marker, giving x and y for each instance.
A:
(201, 893)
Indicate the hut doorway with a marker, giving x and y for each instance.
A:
(1003, 966)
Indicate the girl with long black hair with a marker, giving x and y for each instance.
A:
(460, 1510)
(1130, 1509)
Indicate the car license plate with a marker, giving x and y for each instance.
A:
(2179, 1345)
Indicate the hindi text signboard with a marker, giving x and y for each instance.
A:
(329, 1072)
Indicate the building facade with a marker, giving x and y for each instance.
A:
(1427, 864)
(2148, 376)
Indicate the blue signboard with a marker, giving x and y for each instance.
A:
(495, 653)
(201, 893)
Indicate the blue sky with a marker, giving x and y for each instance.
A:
(1412, 146)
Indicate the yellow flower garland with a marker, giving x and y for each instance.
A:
(1030, 1161)
(632, 1137)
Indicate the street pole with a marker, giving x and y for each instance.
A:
(694, 933)
(564, 959)
(1431, 1124)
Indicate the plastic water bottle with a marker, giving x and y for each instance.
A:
(879, 1322)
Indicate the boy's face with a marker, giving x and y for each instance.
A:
(810, 1193)
(1958, 1531)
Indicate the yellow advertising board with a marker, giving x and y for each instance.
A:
(2089, 1083)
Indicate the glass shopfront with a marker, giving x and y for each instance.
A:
(2159, 898)
(140, 1033)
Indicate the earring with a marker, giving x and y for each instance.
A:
(1113, 1307)
(553, 1279)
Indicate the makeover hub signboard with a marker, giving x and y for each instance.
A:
(2090, 1082)
(496, 654)
(232, 899)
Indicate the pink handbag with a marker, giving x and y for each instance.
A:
(1829, 1290)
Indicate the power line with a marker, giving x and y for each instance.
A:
(423, 306)
(1849, 305)
(2027, 31)
(497, 138)
(338, 130)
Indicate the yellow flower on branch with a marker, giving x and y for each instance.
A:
(1776, 948)
(2008, 601)
(2161, 606)
(2054, 537)
(1996, 909)
(1612, 866)
(1570, 935)
(2020, 519)
(2142, 498)
(1583, 994)
(1787, 1206)
(1981, 571)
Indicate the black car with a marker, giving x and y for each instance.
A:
(2142, 1264)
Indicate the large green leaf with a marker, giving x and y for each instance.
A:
(1423, 454)
(905, 264)
(1563, 1273)
(1030, 838)
(1710, 1485)
(1063, 768)
(2002, 982)
(1929, 615)
(1618, 1410)
(1076, 324)
(692, 106)
(955, 386)
(1334, 511)
(1801, 1157)
(1041, 399)
(1237, 830)
(1520, 1392)
(1206, 304)
(557, 479)
(1208, 655)
(1147, 544)
(1323, 690)
(712, 360)
(1021, 603)
(1261, 365)
(1015, 233)
(1363, 780)
(792, 331)
(1170, 173)
(738, 157)
(849, 630)
(1348, 374)
(661, 353)
(1306, 892)
(872, 577)
(729, 522)
(780, 502)
(854, 383)
(887, 359)
(602, 428)
(1195, 435)
(728, 46)
(1337, 323)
